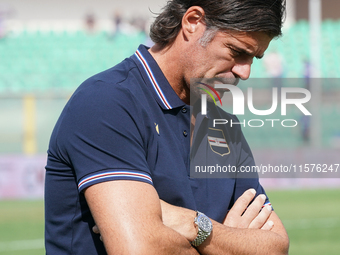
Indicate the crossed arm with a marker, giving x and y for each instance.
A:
(132, 220)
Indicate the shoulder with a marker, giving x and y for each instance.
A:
(111, 89)
(121, 78)
(106, 101)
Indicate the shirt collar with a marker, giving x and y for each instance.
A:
(155, 79)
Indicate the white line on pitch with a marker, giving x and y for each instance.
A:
(22, 245)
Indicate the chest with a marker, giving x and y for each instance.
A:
(169, 160)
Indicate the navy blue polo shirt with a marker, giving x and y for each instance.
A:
(127, 123)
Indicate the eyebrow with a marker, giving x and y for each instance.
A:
(245, 52)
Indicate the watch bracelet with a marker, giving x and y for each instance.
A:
(201, 235)
(200, 238)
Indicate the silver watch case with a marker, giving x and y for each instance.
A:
(204, 228)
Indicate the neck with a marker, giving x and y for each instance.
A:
(170, 60)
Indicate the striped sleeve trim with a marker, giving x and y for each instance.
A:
(116, 175)
(268, 203)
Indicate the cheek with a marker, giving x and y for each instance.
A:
(206, 68)
(208, 65)
(224, 66)
(217, 68)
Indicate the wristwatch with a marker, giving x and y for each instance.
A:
(204, 228)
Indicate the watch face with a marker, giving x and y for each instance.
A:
(204, 223)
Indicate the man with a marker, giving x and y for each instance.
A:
(119, 155)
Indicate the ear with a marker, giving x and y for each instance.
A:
(193, 22)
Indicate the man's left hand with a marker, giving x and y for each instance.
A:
(246, 215)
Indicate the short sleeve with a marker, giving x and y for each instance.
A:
(101, 134)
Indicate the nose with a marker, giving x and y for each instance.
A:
(242, 70)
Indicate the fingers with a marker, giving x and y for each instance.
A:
(261, 219)
(253, 211)
(95, 229)
(234, 216)
(242, 202)
(245, 214)
(268, 226)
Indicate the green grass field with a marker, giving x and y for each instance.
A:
(311, 217)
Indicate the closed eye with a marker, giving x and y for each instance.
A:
(235, 53)
(238, 52)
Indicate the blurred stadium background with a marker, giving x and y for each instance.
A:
(47, 48)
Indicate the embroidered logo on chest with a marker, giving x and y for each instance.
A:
(217, 142)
